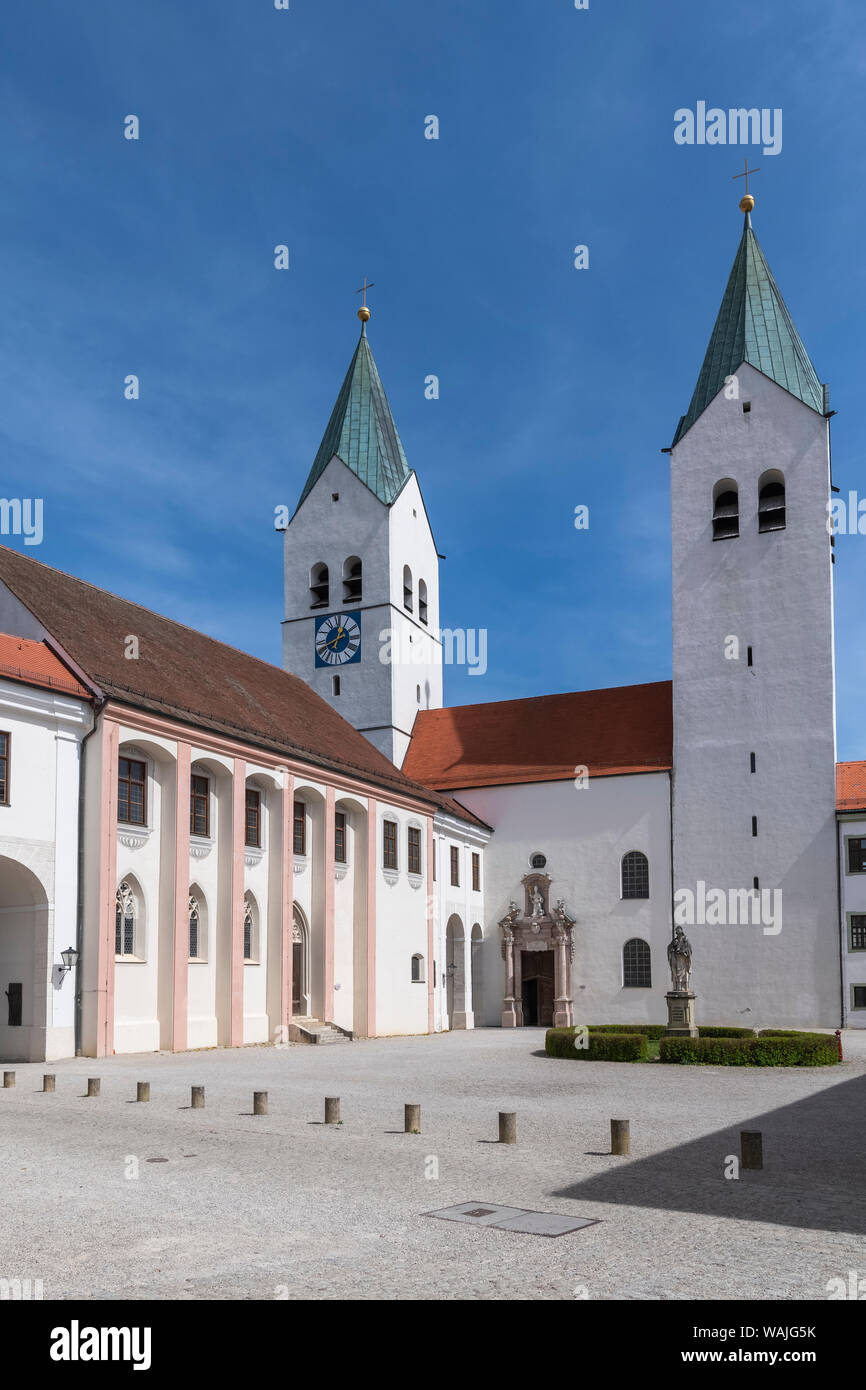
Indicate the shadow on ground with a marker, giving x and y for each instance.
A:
(813, 1174)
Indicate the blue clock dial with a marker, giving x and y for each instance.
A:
(338, 639)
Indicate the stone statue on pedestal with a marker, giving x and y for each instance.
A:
(680, 960)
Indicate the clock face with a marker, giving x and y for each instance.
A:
(338, 639)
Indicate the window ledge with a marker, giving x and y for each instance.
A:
(391, 876)
(130, 960)
(199, 846)
(197, 960)
(300, 863)
(416, 880)
(133, 836)
(340, 870)
(253, 854)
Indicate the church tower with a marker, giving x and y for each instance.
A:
(362, 572)
(753, 689)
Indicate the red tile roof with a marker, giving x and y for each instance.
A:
(182, 674)
(625, 729)
(850, 786)
(34, 663)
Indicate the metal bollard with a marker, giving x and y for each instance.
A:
(332, 1110)
(260, 1102)
(620, 1139)
(751, 1148)
(197, 1098)
(93, 1085)
(48, 1082)
(507, 1127)
(142, 1091)
(8, 1080)
(411, 1119)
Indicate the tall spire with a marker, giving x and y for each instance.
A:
(753, 326)
(361, 430)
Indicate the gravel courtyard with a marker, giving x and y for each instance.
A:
(276, 1206)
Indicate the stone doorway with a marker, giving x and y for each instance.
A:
(538, 988)
(538, 951)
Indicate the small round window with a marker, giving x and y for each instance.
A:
(537, 861)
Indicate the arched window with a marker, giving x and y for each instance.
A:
(418, 970)
(635, 874)
(197, 932)
(726, 510)
(352, 575)
(636, 973)
(320, 587)
(422, 600)
(407, 588)
(771, 501)
(251, 930)
(128, 927)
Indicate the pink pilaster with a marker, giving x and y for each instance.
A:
(180, 985)
(287, 861)
(328, 1001)
(107, 891)
(431, 1024)
(370, 964)
(239, 786)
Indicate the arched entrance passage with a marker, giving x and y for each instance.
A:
(300, 964)
(477, 937)
(23, 964)
(455, 972)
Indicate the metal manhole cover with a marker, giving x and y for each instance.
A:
(533, 1223)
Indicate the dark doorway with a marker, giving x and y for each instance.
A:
(538, 988)
(14, 995)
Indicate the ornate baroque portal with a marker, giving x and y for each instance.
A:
(537, 986)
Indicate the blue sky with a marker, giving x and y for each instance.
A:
(558, 387)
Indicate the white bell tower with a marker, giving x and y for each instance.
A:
(753, 688)
(361, 571)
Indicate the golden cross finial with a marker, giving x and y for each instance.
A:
(364, 312)
(748, 202)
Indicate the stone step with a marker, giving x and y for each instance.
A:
(314, 1031)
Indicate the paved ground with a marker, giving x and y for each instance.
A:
(282, 1206)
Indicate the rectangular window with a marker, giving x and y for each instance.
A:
(455, 866)
(300, 828)
(389, 844)
(414, 850)
(340, 837)
(131, 791)
(749, 656)
(254, 818)
(751, 762)
(857, 856)
(754, 825)
(199, 805)
(476, 873)
(5, 740)
(857, 932)
(859, 993)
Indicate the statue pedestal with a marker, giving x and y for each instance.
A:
(681, 1014)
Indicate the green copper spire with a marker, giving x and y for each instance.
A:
(361, 431)
(753, 326)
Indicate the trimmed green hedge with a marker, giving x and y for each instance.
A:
(606, 1047)
(649, 1030)
(805, 1050)
(659, 1030)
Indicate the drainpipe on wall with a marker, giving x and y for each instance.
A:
(99, 706)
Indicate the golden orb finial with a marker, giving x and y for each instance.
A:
(364, 314)
(747, 203)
